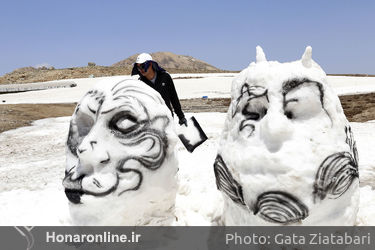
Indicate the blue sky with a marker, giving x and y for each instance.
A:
(71, 33)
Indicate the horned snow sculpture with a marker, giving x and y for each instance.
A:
(287, 154)
(121, 162)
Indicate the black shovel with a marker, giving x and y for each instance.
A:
(191, 135)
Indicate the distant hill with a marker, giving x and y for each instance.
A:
(173, 62)
(31, 74)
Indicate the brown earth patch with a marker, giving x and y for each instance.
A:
(19, 115)
(357, 108)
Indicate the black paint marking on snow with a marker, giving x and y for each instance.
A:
(251, 109)
(91, 110)
(153, 157)
(92, 144)
(335, 175)
(108, 111)
(72, 142)
(106, 160)
(74, 189)
(74, 196)
(226, 183)
(97, 183)
(280, 207)
(122, 89)
(248, 93)
(352, 143)
(244, 124)
(294, 83)
(81, 150)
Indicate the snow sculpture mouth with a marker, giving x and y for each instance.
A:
(280, 207)
(273, 206)
(334, 177)
(74, 195)
(73, 188)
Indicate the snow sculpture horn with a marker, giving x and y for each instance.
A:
(307, 57)
(260, 57)
(267, 176)
(121, 165)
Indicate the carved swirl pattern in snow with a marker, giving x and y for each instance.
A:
(334, 176)
(140, 138)
(226, 183)
(143, 132)
(280, 207)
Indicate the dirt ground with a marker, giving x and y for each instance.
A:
(358, 108)
(20, 115)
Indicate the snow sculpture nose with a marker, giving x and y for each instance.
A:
(91, 155)
(275, 129)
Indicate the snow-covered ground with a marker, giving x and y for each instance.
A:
(32, 159)
(32, 163)
(187, 85)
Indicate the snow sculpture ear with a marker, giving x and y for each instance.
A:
(260, 57)
(307, 57)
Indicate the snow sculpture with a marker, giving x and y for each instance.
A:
(287, 154)
(121, 163)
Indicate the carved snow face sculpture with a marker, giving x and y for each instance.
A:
(121, 163)
(287, 154)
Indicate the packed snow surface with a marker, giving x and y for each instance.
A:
(32, 165)
(213, 85)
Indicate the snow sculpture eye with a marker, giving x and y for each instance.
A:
(253, 105)
(125, 125)
(253, 102)
(303, 99)
(255, 109)
(123, 122)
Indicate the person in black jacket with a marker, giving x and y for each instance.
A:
(157, 78)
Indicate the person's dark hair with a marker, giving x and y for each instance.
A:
(155, 66)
